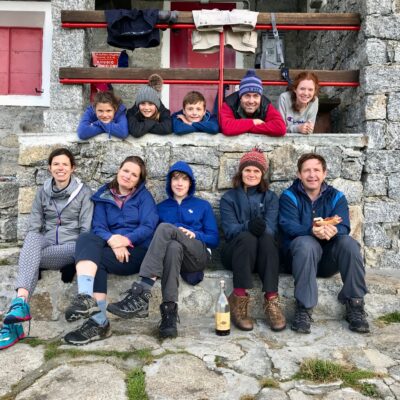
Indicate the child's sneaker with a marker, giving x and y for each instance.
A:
(10, 334)
(18, 312)
(88, 332)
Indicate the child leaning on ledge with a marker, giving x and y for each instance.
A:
(194, 116)
(105, 115)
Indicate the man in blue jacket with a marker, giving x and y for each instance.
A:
(310, 251)
(180, 244)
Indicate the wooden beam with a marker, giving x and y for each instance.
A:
(198, 74)
(185, 17)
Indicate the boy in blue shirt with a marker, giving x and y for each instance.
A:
(194, 116)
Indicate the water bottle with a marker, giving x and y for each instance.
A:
(222, 313)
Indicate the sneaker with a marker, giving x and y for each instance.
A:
(274, 314)
(135, 303)
(356, 316)
(82, 306)
(302, 319)
(10, 334)
(88, 332)
(19, 311)
(169, 318)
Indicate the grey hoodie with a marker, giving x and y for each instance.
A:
(62, 216)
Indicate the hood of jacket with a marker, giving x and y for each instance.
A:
(181, 166)
(62, 194)
(104, 193)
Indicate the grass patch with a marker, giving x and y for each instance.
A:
(136, 385)
(247, 397)
(4, 261)
(390, 318)
(220, 362)
(269, 383)
(34, 342)
(327, 371)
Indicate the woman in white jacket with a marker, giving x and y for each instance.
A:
(62, 209)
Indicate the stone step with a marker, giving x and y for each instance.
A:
(52, 295)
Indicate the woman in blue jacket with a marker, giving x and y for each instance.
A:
(180, 244)
(124, 220)
(249, 218)
(105, 115)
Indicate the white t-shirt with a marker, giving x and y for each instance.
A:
(293, 118)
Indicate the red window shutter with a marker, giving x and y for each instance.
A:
(25, 61)
(4, 59)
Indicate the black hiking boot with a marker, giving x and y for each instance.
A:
(169, 318)
(302, 319)
(356, 316)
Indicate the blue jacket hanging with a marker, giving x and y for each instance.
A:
(131, 29)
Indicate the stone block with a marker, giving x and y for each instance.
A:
(228, 166)
(374, 51)
(205, 177)
(378, 79)
(8, 194)
(23, 224)
(376, 132)
(115, 152)
(36, 155)
(8, 229)
(378, 211)
(356, 223)
(25, 199)
(157, 189)
(42, 308)
(382, 27)
(157, 164)
(196, 155)
(351, 189)
(375, 185)
(393, 107)
(60, 121)
(375, 107)
(68, 97)
(26, 176)
(375, 235)
(333, 157)
(380, 7)
(393, 135)
(352, 169)
(384, 162)
(394, 186)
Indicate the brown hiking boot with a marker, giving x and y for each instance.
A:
(238, 306)
(274, 314)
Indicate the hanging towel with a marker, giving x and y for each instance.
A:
(242, 20)
(210, 20)
(131, 29)
(245, 42)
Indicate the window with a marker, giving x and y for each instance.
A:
(25, 53)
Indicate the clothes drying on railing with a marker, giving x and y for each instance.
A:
(240, 36)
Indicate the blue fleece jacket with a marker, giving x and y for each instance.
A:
(238, 207)
(90, 125)
(193, 213)
(136, 220)
(297, 211)
(208, 124)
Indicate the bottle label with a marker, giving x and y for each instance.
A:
(222, 321)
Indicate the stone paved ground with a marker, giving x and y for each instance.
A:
(198, 364)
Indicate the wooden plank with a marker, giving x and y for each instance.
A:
(275, 75)
(139, 73)
(185, 17)
(198, 74)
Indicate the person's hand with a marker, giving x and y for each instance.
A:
(330, 231)
(183, 119)
(257, 226)
(306, 128)
(121, 254)
(258, 121)
(319, 232)
(188, 233)
(118, 241)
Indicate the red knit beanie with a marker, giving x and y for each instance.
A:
(255, 158)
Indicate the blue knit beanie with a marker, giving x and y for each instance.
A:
(250, 83)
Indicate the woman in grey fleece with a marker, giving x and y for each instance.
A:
(299, 105)
(62, 209)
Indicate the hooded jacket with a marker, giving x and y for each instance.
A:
(233, 124)
(238, 207)
(139, 125)
(61, 215)
(193, 213)
(136, 220)
(208, 124)
(297, 211)
(90, 125)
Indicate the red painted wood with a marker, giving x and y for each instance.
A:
(4, 59)
(182, 56)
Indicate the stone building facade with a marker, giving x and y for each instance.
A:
(364, 159)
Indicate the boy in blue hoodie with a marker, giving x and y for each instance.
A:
(181, 243)
(194, 116)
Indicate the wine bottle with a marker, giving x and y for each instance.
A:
(222, 313)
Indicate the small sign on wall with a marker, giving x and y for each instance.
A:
(105, 59)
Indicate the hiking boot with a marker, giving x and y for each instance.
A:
(135, 303)
(356, 316)
(169, 318)
(274, 315)
(18, 312)
(239, 306)
(82, 306)
(88, 332)
(302, 319)
(10, 334)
